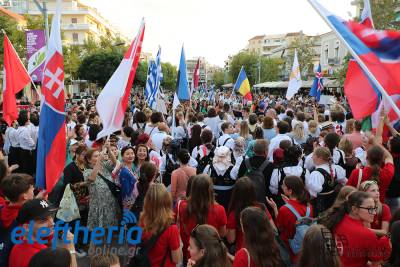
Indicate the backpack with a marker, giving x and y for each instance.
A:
(302, 225)
(222, 180)
(141, 258)
(170, 166)
(205, 160)
(6, 244)
(256, 175)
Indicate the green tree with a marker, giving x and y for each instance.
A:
(169, 76)
(72, 60)
(16, 36)
(271, 69)
(305, 54)
(249, 61)
(384, 14)
(218, 78)
(99, 67)
(141, 74)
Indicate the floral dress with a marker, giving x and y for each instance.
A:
(104, 210)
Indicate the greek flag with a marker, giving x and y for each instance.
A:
(154, 79)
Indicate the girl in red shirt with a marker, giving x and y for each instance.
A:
(297, 197)
(380, 225)
(156, 219)
(379, 168)
(257, 233)
(243, 196)
(200, 208)
(357, 245)
(206, 248)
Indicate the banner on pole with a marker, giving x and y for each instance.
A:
(36, 53)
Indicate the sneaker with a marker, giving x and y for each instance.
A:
(80, 253)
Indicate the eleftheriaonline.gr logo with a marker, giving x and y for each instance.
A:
(98, 235)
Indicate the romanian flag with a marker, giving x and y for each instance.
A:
(242, 85)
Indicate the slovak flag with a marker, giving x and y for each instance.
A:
(112, 102)
(317, 85)
(51, 149)
(377, 51)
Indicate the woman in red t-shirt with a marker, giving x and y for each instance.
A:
(379, 168)
(257, 233)
(200, 208)
(380, 225)
(357, 245)
(156, 219)
(298, 198)
(206, 248)
(243, 196)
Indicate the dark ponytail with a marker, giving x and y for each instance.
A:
(333, 216)
(374, 156)
(297, 186)
(183, 156)
(331, 141)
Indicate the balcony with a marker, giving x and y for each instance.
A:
(333, 61)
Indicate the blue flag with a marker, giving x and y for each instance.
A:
(182, 83)
(317, 85)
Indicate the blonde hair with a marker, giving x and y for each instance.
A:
(364, 186)
(148, 112)
(298, 130)
(344, 192)
(312, 124)
(157, 212)
(244, 129)
(323, 153)
(347, 146)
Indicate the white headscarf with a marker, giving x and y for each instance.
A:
(222, 160)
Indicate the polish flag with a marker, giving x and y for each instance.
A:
(112, 102)
(15, 79)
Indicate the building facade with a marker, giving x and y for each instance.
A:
(333, 52)
(191, 65)
(78, 21)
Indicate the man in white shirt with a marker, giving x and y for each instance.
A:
(27, 144)
(226, 139)
(159, 136)
(283, 129)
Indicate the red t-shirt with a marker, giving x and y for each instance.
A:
(168, 241)
(233, 225)
(286, 223)
(357, 244)
(384, 217)
(216, 217)
(385, 178)
(8, 214)
(242, 259)
(21, 254)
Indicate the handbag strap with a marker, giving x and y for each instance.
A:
(248, 257)
(360, 174)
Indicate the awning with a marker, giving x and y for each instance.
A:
(305, 84)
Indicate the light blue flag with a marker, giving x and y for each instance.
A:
(182, 83)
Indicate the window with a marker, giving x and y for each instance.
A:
(326, 54)
(74, 20)
(75, 37)
(336, 52)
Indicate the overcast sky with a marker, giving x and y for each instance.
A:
(214, 29)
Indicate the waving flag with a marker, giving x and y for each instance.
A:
(363, 96)
(377, 52)
(317, 85)
(242, 85)
(52, 135)
(295, 78)
(113, 100)
(15, 79)
(182, 83)
(196, 77)
(154, 80)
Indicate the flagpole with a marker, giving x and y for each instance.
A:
(360, 62)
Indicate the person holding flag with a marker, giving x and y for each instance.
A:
(317, 85)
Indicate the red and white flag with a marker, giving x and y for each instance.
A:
(112, 102)
(196, 77)
(15, 79)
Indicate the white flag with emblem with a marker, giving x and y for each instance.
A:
(295, 78)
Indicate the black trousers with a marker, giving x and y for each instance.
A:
(27, 162)
(13, 157)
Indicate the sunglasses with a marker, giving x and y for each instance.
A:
(194, 235)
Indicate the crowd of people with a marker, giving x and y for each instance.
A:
(269, 182)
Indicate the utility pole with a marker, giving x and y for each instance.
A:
(43, 9)
(259, 69)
